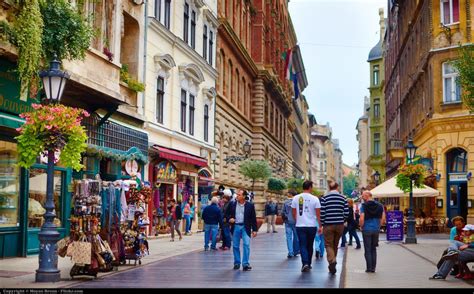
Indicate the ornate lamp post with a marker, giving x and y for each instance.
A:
(377, 177)
(247, 147)
(54, 81)
(411, 233)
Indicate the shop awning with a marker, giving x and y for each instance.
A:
(171, 154)
(11, 121)
(389, 189)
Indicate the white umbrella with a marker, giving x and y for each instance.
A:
(389, 189)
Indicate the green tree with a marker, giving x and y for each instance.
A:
(350, 184)
(255, 170)
(275, 184)
(465, 65)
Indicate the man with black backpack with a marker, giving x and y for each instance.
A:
(372, 216)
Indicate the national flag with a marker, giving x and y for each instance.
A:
(294, 77)
(288, 63)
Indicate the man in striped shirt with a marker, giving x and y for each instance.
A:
(334, 212)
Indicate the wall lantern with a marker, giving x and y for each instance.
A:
(439, 203)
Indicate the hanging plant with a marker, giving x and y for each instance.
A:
(411, 172)
(131, 82)
(28, 31)
(52, 127)
(104, 152)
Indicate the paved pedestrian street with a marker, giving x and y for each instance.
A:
(214, 269)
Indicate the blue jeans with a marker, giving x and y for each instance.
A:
(226, 237)
(210, 230)
(371, 240)
(454, 245)
(188, 223)
(352, 233)
(240, 233)
(292, 240)
(319, 243)
(306, 237)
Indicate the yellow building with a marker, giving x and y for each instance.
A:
(424, 101)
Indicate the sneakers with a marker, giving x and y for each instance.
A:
(247, 268)
(275, 232)
(236, 266)
(305, 268)
(451, 254)
(358, 247)
(206, 249)
(437, 277)
(369, 271)
(332, 268)
(289, 256)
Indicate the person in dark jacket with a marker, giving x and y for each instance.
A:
(226, 237)
(174, 218)
(271, 212)
(211, 215)
(372, 216)
(243, 219)
(351, 227)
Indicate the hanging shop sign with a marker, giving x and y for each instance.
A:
(457, 177)
(165, 171)
(10, 100)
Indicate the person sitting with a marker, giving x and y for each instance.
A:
(455, 247)
(455, 235)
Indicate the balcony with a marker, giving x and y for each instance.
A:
(396, 148)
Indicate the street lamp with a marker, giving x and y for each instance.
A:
(247, 148)
(377, 177)
(54, 81)
(411, 233)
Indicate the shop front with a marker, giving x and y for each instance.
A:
(174, 175)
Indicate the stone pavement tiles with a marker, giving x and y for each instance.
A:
(401, 266)
(214, 269)
(20, 272)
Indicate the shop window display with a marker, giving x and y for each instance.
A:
(37, 197)
(9, 185)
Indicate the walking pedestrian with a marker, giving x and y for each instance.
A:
(243, 219)
(226, 237)
(174, 218)
(271, 211)
(372, 216)
(351, 227)
(319, 241)
(187, 217)
(211, 215)
(306, 211)
(290, 226)
(334, 212)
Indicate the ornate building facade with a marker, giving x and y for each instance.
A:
(423, 99)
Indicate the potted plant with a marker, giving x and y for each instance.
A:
(277, 185)
(411, 172)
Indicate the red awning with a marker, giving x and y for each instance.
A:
(171, 154)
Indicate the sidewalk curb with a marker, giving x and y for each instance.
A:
(342, 279)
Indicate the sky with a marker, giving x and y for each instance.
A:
(335, 37)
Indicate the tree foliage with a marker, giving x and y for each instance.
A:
(465, 65)
(255, 170)
(275, 184)
(350, 184)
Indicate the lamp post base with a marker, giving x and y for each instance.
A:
(410, 240)
(47, 277)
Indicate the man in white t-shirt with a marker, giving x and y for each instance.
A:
(306, 212)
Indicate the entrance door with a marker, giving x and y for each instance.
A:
(457, 167)
(457, 200)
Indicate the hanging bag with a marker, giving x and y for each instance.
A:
(62, 246)
(82, 251)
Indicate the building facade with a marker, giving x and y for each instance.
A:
(114, 127)
(254, 98)
(377, 156)
(363, 171)
(180, 98)
(423, 99)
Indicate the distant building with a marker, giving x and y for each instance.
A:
(363, 171)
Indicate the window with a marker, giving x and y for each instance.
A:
(211, 45)
(167, 13)
(183, 110)
(449, 11)
(193, 30)
(158, 10)
(376, 108)
(186, 22)
(204, 42)
(451, 86)
(321, 167)
(160, 92)
(191, 115)
(10, 185)
(321, 183)
(377, 144)
(206, 123)
(376, 75)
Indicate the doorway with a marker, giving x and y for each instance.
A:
(456, 183)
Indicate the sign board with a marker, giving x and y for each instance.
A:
(165, 171)
(458, 177)
(394, 226)
(10, 100)
(131, 167)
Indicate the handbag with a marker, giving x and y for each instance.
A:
(62, 246)
(82, 251)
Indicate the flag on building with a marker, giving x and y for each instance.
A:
(290, 73)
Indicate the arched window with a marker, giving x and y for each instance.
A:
(457, 160)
